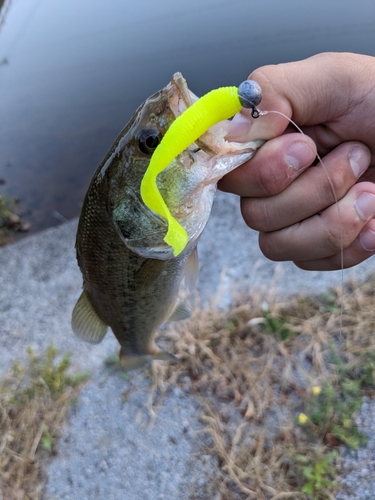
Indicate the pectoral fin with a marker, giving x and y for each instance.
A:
(149, 272)
(86, 324)
(180, 312)
(192, 270)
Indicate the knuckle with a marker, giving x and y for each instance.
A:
(333, 263)
(255, 214)
(268, 247)
(336, 238)
(268, 180)
(336, 187)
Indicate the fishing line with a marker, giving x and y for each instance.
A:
(256, 113)
(213, 107)
(262, 113)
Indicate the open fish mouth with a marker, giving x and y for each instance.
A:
(188, 184)
(213, 142)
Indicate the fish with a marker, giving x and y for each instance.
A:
(131, 277)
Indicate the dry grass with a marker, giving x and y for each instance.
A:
(255, 369)
(33, 404)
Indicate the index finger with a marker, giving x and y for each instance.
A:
(273, 168)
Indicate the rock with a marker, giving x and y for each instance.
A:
(13, 220)
(24, 227)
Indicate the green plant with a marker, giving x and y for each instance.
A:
(366, 371)
(47, 439)
(33, 403)
(10, 221)
(331, 412)
(46, 372)
(329, 302)
(4, 214)
(317, 471)
(277, 325)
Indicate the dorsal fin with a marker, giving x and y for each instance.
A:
(86, 324)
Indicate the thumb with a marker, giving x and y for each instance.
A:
(317, 90)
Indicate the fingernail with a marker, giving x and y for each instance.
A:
(299, 155)
(367, 240)
(365, 205)
(239, 126)
(359, 161)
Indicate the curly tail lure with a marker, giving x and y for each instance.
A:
(215, 106)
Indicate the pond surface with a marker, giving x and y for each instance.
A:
(72, 73)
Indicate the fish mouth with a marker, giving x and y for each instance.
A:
(213, 147)
(182, 98)
(188, 185)
(214, 142)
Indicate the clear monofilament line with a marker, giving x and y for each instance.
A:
(259, 113)
(262, 113)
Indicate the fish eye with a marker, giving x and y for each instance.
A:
(148, 140)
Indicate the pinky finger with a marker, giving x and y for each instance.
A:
(360, 250)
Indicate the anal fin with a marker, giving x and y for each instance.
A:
(129, 363)
(86, 324)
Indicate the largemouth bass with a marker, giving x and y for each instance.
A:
(131, 278)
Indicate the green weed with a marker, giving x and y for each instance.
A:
(45, 371)
(10, 221)
(33, 403)
(331, 412)
(277, 325)
(318, 470)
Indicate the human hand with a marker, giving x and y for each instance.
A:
(332, 97)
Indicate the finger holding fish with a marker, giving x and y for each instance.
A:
(276, 165)
(303, 223)
(329, 95)
(297, 216)
(358, 251)
(315, 190)
(315, 243)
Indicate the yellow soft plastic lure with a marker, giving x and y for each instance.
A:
(215, 106)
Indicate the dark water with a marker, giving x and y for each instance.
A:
(73, 72)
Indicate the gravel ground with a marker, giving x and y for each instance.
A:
(112, 450)
(105, 451)
(359, 465)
